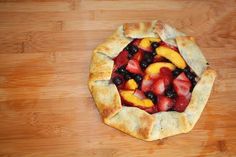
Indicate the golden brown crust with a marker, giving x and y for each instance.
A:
(166, 32)
(106, 98)
(114, 44)
(100, 68)
(135, 121)
(140, 30)
(200, 95)
(192, 54)
(132, 121)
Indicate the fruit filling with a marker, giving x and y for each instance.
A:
(153, 76)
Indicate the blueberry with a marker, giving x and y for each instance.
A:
(151, 96)
(176, 72)
(127, 48)
(155, 45)
(130, 56)
(153, 53)
(138, 78)
(133, 49)
(117, 80)
(127, 76)
(194, 82)
(186, 70)
(122, 70)
(170, 93)
(190, 75)
(144, 64)
(148, 57)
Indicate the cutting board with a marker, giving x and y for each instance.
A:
(46, 109)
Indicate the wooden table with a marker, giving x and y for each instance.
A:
(46, 109)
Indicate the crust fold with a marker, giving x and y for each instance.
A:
(200, 95)
(107, 98)
(140, 30)
(192, 54)
(133, 121)
(100, 68)
(114, 44)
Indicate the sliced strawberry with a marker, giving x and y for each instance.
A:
(159, 86)
(164, 103)
(166, 74)
(152, 110)
(182, 88)
(136, 42)
(133, 67)
(146, 85)
(121, 59)
(138, 56)
(182, 77)
(169, 46)
(181, 103)
(139, 94)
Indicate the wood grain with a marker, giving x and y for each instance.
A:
(45, 50)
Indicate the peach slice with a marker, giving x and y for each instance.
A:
(145, 43)
(154, 39)
(131, 84)
(128, 96)
(171, 55)
(154, 68)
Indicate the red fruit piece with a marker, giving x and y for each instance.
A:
(182, 88)
(152, 110)
(181, 104)
(139, 94)
(138, 56)
(146, 85)
(133, 67)
(164, 103)
(166, 74)
(158, 87)
(169, 46)
(136, 42)
(182, 77)
(121, 59)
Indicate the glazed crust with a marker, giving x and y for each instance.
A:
(132, 120)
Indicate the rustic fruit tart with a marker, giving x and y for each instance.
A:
(150, 80)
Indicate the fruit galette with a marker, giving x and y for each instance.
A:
(150, 80)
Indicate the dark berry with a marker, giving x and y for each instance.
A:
(148, 57)
(170, 93)
(153, 53)
(176, 72)
(127, 76)
(130, 56)
(133, 49)
(138, 78)
(144, 64)
(194, 82)
(117, 80)
(155, 45)
(127, 48)
(190, 75)
(122, 70)
(151, 96)
(186, 70)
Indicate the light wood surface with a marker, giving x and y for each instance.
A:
(46, 109)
